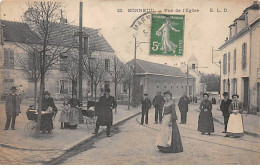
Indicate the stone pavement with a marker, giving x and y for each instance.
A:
(17, 147)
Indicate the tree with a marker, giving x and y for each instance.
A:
(212, 82)
(41, 16)
(30, 66)
(129, 81)
(118, 74)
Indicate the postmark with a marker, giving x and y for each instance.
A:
(167, 35)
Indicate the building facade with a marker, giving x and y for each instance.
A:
(61, 75)
(153, 77)
(240, 59)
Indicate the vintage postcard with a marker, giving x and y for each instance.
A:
(129, 82)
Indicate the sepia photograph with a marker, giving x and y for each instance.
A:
(129, 82)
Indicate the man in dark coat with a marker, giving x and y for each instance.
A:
(158, 103)
(146, 105)
(224, 108)
(183, 107)
(12, 108)
(104, 112)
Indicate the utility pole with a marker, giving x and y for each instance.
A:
(187, 89)
(134, 80)
(219, 65)
(80, 60)
(80, 53)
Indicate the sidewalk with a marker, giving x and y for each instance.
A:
(250, 121)
(16, 147)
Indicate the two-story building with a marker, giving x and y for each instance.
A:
(58, 80)
(241, 59)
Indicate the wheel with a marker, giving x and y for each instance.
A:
(30, 127)
(47, 127)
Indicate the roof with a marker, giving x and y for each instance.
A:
(242, 17)
(65, 33)
(231, 25)
(255, 6)
(19, 32)
(146, 67)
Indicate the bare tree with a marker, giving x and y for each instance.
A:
(128, 79)
(41, 16)
(118, 74)
(29, 64)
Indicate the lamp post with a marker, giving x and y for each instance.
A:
(134, 97)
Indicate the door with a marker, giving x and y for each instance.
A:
(246, 85)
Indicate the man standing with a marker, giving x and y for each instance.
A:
(158, 103)
(104, 112)
(224, 108)
(146, 105)
(12, 108)
(183, 107)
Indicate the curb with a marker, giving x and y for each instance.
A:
(246, 132)
(83, 140)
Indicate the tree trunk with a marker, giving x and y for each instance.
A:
(95, 92)
(129, 97)
(115, 95)
(35, 93)
(92, 85)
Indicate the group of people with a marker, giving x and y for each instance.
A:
(169, 139)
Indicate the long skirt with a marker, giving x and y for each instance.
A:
(74, 116)
(205, 123)
(169, 139)
(235, 125)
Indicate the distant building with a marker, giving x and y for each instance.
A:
(154, 77)
(241, 59)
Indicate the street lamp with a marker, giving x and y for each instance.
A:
(135, 103)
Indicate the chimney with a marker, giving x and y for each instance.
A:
(62, 19)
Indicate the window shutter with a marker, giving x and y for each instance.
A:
(11, 59)
(70, 86)
(58, 86)
(6, 58)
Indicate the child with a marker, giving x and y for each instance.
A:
(64, 116)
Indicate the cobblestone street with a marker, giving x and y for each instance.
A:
(132, 143)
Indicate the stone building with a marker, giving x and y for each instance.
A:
(241, 59)
(154, 77)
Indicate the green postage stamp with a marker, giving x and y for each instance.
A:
(167, 32)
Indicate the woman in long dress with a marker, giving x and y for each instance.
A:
(235, 123)
(169, 139)
(167, 44)
(205, 123)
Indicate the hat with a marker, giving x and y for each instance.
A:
(107, 90)
(13, 88)
(235, 95)
(225, 94)
(167, 92)
(205, 94)
(47, 93)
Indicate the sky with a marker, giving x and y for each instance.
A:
(203, 29)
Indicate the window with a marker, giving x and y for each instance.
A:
(193, 66)
(235, 61)
(106, 84)
(107, 65)
(124, 87)
(165, 86)
(244, 50)
(229, 62)
(224, 85)
(8, 59)
(157, 85)
(63, 63)
(225, 64)
(8, 83)
(177, 86)
(171, 85)
(64, 87)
